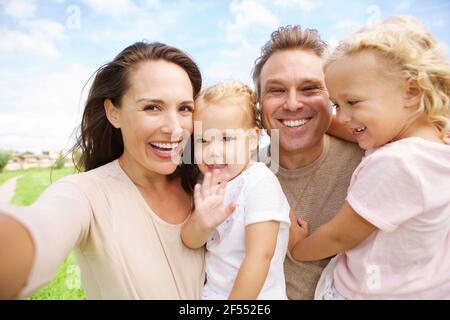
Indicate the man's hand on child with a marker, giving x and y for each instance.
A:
(209, 196)
(299, 230)
(303, 228)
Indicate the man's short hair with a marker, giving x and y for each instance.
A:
(285, 38)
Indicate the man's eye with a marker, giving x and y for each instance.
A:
(276, 90)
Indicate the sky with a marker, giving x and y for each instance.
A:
(50, 48)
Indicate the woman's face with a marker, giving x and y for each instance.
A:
(155, 116)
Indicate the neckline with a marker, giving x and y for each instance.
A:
(142, 200)
(304, 170)
(419, 140)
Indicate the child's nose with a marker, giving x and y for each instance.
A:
(215, 150)
(343, 116)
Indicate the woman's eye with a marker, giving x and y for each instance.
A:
(186, 109)
(152, 107)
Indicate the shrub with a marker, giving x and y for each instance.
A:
(4, 158)
(59, 163)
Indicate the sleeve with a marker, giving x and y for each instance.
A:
(386, 192)
(265, 201)
(57, 222)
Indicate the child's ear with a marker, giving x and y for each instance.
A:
(413, 93)
(254, 138)
(112, 113)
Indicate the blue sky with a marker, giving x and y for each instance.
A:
(49, 48)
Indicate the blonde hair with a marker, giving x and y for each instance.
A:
(231, 91)
(411, 51)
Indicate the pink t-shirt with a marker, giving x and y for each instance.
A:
(402, 188)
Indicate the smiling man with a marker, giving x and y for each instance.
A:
(314, 168)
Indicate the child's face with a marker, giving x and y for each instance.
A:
(369, 104)
(223, 139)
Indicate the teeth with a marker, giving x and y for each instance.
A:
(166, 145)
(294, 123)
(360, 129)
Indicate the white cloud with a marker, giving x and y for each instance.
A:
(39, 38)
(44, 28)
(116, 8)
(45, 111)
(153, 3)
(235, 64)
(349, 26)
(439, 23)
(404, 5)
(31, 34)
(247, 13)
(333, 41)
(304, 5)
(20, 8)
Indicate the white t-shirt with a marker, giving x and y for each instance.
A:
(258, 197)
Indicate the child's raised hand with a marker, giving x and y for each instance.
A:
(209, 207)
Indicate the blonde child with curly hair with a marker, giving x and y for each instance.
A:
(390, 85)
(241, 212)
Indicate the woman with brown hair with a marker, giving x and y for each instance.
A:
(123, 215)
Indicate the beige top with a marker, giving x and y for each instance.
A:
(317, 192)
(124, 250)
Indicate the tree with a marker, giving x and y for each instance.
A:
(5, 155)
(59, 163)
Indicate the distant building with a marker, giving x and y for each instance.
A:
(45, 160)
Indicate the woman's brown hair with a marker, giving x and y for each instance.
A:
(101, 143)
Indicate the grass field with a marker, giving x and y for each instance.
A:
(66, 284)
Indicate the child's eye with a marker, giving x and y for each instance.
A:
(200, 140)
(228, 139)
(352, 102)
(336, 106)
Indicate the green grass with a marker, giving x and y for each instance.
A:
(6, 175)
(66, 284)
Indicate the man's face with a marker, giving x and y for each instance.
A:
(295, 100)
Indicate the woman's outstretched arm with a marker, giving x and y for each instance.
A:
(16, 256)
(35, 240)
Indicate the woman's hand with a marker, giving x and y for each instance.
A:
(210, 210)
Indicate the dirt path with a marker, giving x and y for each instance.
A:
(8, 189)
